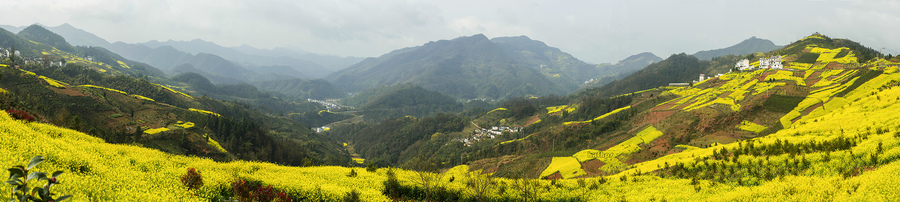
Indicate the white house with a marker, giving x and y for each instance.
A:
(743, 65)
(702, 77)
(773, 62)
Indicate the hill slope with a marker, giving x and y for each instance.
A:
(612, 72)
(465, 67)
(560, 67)
(198, 46)
(748, 46)
(863, 170)
(78, 37)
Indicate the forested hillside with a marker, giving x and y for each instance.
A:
(748, 46)
(109, 97)
(400, 100)
(465, 67)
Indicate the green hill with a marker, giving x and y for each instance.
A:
(127, 102)
(748, 46)
(40, 34)
(302, 88)
(400, 100)
(612, 72)
(465, 67)
(735, 107)
(677, 68)
(560, 67)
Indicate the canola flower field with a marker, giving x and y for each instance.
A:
(98, 171)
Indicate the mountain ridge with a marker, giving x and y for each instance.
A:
(465, 67)
(747, 46)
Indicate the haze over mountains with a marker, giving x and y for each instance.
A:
(310, 64)
(751, 45)
(478, 67)
(467, 67)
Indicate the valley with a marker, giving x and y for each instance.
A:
(466, 119)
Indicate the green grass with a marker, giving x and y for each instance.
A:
(868, 75)
(808, 58)
(843, 53)
(781, 103)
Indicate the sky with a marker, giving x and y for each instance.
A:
(595, 31)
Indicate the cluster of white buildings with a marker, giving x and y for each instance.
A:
(702, 78)
(322, 129)
(484, 133)
(329, 104)
(5, 52)
(46, 60)
(772, 62)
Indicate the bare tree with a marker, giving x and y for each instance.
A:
(479, 184)
(528, 188)
(430, 181)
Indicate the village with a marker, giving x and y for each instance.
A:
(45, 60)
(772, 62)
(329, 104)
(484, 133)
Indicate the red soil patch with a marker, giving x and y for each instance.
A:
(532, 120)
(762, 77)
(813, 78)
(655, 117)
(592, 167)
(811, 108)
(555, 176)
(668, 105)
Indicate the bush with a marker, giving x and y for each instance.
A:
(352, 173)
(352, 196)
(392, 185)
(371, 167)
(255, 192)
(192, 179)
(17, 178)
(21, 115)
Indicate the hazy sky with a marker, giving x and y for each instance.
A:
(591, 30)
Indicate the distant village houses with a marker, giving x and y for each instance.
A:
(484, 133)
(772, 62)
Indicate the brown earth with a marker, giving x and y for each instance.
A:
(592, 167)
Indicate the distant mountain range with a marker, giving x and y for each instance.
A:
(307, 64)
(465, 67)
(478, 67)
(751, 45)
(612, 72)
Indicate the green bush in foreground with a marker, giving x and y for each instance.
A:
(19, 177)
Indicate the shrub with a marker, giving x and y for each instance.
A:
(371, 167)
(192, 179)
(352, 173)
(255, 192)
(392, 185)
(21, 115)
(19, 177)
(352, 196)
